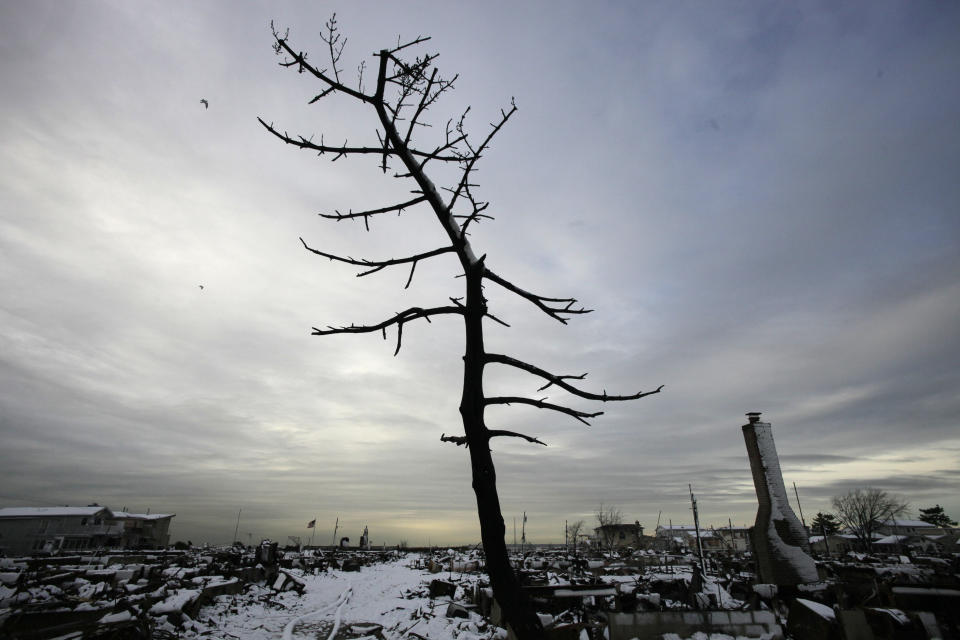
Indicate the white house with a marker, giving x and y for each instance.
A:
(26, 530)
(900, 527)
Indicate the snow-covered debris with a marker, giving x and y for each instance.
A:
(821, 610)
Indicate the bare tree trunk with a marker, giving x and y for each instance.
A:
(414, 85)
(516, 607)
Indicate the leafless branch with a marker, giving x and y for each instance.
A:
(424, 102)
(457, 440)
(360, 69)
(478, 152)
(493, 433)
(496, 319)
(582, 376)
(541, 404)
(332, 39)
(559, 380)
(372, 212)
(377, 265)
(556, 308)
(343, 150)
(399, 319)
(299, 59)
(400, 47)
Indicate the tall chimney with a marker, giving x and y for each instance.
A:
(780, 543)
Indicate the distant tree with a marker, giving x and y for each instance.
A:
(824, 523)
(935, 516)
(863, 511)
(398, 98)
(607, 516)
(573, 530)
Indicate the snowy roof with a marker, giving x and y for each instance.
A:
(891, 540)
(51, 512)
(123, 515)
(908, 523)
(845, 536)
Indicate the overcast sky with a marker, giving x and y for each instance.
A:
(760, 201)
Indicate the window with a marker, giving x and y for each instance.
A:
(83, 522)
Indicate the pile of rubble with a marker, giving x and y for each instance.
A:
(443, 595)
(620, 597)
(123, 595)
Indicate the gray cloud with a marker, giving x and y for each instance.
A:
(759, 202)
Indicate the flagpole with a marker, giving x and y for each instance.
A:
(314, 527)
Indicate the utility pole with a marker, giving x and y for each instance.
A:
(696, 528)
(823, 530)
(797, 493)
(566, 547)
(236, 529)
(523, 533)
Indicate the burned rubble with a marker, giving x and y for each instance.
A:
(581, 596)
(136, 595)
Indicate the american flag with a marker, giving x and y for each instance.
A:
(312, 523)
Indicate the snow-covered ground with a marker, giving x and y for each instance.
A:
(343, 604)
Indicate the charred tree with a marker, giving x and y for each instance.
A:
(404, 91)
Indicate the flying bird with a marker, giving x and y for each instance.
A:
(201, 287)
(203, 101)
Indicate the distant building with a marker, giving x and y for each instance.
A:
(836, 543)
(677, 537)
(26, 530)
(735, 538)
(903, 543)
(619, 536)
(900, 527)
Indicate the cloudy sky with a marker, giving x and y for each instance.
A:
(759, 201)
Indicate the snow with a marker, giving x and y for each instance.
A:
(175, 602)
(821, 610)
(123, 515)
(909, 523)
(391, 594)
(898, 615)
(49, 512)
(122, 616)
(780, 510)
